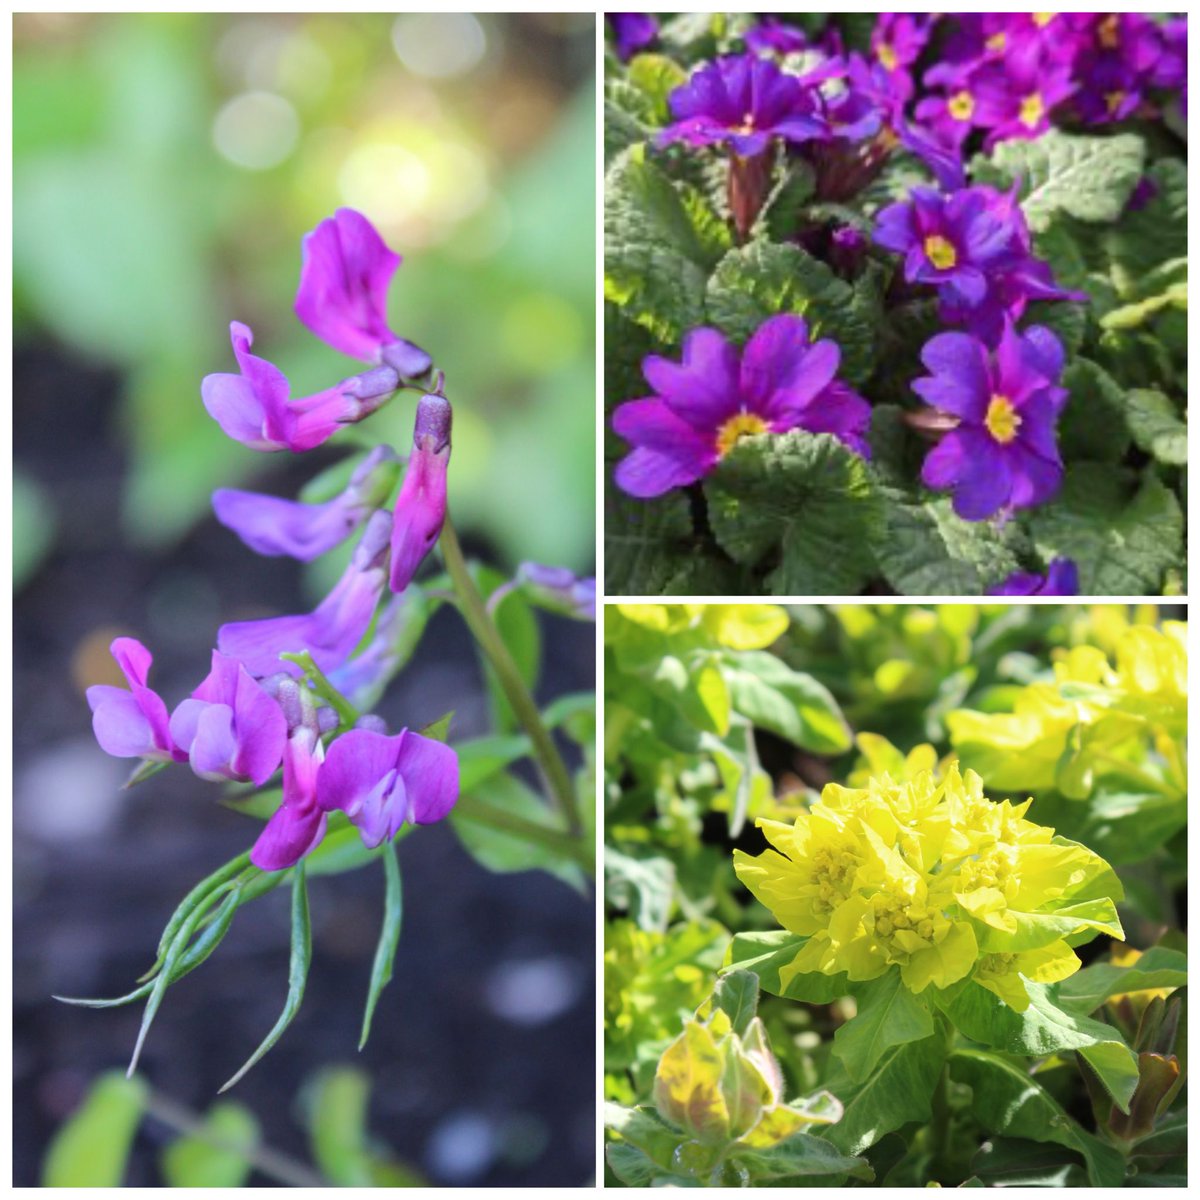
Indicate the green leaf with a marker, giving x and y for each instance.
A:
(1158, 967)
(301, 958)
(633, 1167)
(1090, 178)
(336, 1102)
(800, 1156)
(92, 1147)
(1015, 1162)
(896, 1092)
(646, 542)
(736, 994)
(762, 279)
(217, 1156)
(481, 758)
(389, 937)
(888, 1015)
(1116, 1066)
(1008, 1100)
(766, 953)
(658, 249)
(801, 505)
(656, 76)
(644, 887)
(1093, 424)
(1156, 426)
(789, 703)
(1123, 544)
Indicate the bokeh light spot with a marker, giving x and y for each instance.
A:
(256, 130)
(439, 45)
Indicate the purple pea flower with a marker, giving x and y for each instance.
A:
(742, 101)
(298, 824)
(949, 241)
(332, 630)
(1061, 579)
(397, 629)
(1002, 455)
(230, 727)
(773, 36)
(256, 409)
(421, 505)
(703, 406)
(380, 782)
(560, 590)
(633, 32)
(133, 723)
(274, 526)
(342, 298)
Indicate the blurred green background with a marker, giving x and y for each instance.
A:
(167, 165)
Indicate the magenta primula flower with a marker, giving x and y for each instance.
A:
(742, 101)
(896, 43)
(1061, 579)
(255, 407)
(298, 824)
(773, 36)
(133, 723)
(421, 505)
(705, 404)
(332, 630)
(632, 32)
(381, 782)
(1002, 455)
(273, 526)
(230, 727)
(952, 241)
(342, 298)
(1017, 94)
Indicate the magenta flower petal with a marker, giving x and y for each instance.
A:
(984, 490)
(781, 371)
(703, 388)
(946, 463)
(645, 473)
(134, 723)
(298, 824)
(342, 298)
(429, 769)
(421, 505)
(960, 383)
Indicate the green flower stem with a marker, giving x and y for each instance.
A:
(472, 809)
(347, 714)
(475, 613)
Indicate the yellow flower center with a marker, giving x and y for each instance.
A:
(1002, 419)
(1114, 100)
(1033, 108)
(996, 42)
(961, 105)
(1107, 31)
(940, 252)
(738, 426)
(1041, 20)
(886, 54)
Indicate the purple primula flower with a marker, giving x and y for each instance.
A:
(133, 723)
(632, 32)
(896, 43)
(703, 406)
(342, 297)
(421, 505)
(742, 101)
(273, 526)
(230, 727)
(1111, 89)
(332, 630)
(1171, 69)
(949, 118)
(381, 782)
(1015, 96)
(949, 241)
(1002, 455)
(255, 407)
(943, 159)
(298, 824)
(1061, 579)
(560, 590)
(773, 36)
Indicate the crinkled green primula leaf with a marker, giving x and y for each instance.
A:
(1157, 426)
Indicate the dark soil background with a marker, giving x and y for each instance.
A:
(482, 1057)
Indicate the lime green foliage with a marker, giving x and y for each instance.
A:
(923, 929)
(216, 1157)
(91, 1149)
(719, 1116)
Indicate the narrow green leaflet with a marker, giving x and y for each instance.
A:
(1123, 543)
(1008, 1100)
(301, 958)
(389, 937)
(888, 1015)
(1090, 178)
(801, 506)
(91, 1149)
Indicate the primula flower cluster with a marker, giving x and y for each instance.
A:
(704, 405)
(933, 878)
(267, 700)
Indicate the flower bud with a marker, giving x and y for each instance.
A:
(421, 505)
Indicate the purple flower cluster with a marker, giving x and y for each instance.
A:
(703, 406)
(632, 32)
(257, 709)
